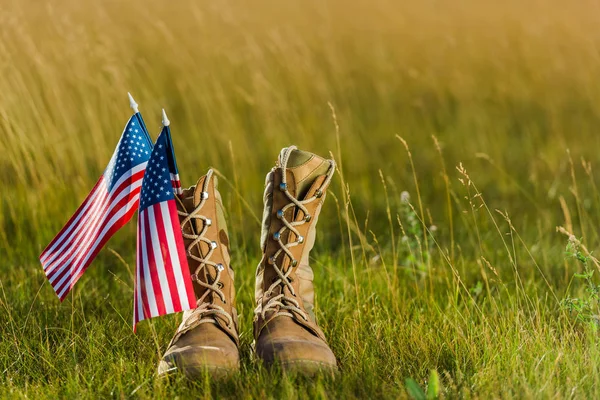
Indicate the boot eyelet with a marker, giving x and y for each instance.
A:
(220, 267)
(194, 277)
(307, 218)
(279, 214)
(294, 263)
(213, 245)
(283, 186)
(204, 195)
(300, 239)
(276, 236)
(208, 222)
(271, 260)
(318, 193)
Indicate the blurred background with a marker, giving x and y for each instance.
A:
(505, 87)
(399, 93)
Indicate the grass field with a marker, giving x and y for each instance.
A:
(486, 113)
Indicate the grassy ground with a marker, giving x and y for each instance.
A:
(486, 113)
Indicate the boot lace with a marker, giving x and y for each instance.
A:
(205, 309)
(283, 304)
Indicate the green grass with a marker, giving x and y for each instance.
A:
(487, 114)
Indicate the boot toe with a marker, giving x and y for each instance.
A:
(195, 355)
(197, 361)
(297, 354)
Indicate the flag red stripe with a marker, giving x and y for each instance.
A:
(73, 242)
(69, 275)
(160, 305)
(176, 283)
(136, 282)
(51, 251)
(158, 249)
(190, 299)
(98, 213)
(94, 227)
(163, 222)
(94, 252)
(58, 253)
(78, 266)
(82, 246)
(72, 221)
(145, 276)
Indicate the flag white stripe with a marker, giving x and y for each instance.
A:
(87, 226)
(76, 267)
(176, 188)
(159, 262)
(126, 175)
(82, 224)
(147, 277)
(95, 214)
(118, 215)
(81, 213)
(103, 189)
(174, 254)
(92, 231)
(138, 310)
(96, 224)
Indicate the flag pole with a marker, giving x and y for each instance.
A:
(167, 130)
(133, 104)
(166, 123)
(165, 120)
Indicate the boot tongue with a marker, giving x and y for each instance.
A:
(189, 200)
(220, 213)
(186, 201)
(214, 204)
(303, 168)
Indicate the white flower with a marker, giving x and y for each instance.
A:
(405, 197)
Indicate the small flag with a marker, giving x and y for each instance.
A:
(109, 206)
(163, 283)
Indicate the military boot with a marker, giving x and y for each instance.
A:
(285, 329)
(207, 339)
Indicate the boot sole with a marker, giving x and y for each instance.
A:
(194, 372)
(307, 367)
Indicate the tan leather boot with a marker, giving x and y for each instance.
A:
(207, 339)
(285, 329)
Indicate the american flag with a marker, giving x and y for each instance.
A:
(163, 283)
(109, 206)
